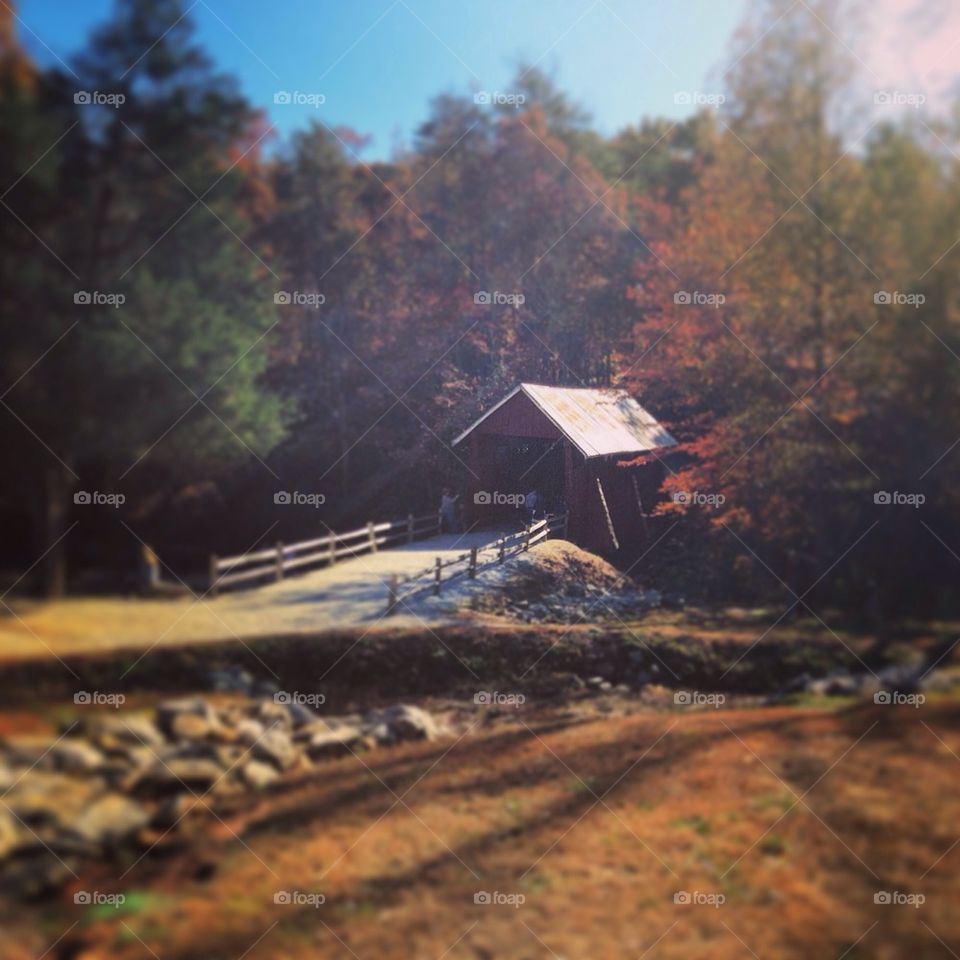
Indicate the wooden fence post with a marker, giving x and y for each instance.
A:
(526, 538)
(392, 595)
(373, 537)
(503, 548)
(279, 561)
(409, 528)
(436, 577)
(473, 563)
(333, 548)
(212, 575)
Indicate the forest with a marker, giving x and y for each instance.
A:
(198, 313)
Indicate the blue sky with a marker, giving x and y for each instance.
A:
(378, 63)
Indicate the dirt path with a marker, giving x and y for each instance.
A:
(354, 592)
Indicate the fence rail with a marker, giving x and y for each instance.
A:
(403, 588)
(274, 562)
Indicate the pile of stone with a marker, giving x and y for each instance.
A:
(577, 603)
(123, 781)
(897, 679)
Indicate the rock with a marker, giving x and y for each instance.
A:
(272, 714)
(11, 834)
(605, 687)
(276, 747)
(177, 775)
(231, 679)
(901, 677)
(258, 775)
(118, 733)
(595, 681)
(170, 710)
(937, 681)
(109, 819)
(621, 688)
(194, 726)
(300, 714)
(43, 798)
(404, 723)
(248, 731)
(67, 754)
(264, 688)
(333, 743)
(842, 685)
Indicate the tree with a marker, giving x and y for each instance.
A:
(169, 378)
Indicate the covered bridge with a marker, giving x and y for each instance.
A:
(565, 443)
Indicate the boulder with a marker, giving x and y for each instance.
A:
(272, 714)
(41, 797)
(194, 726)
(300, 714)
(231, 679)
(67, 754)
(403, 722)
(276, 747)
(109, 819)
(177, 775)
(333, 742)
(248, 731)
(257, 775)
(169, 712)
(937, 681)
(11, 834)
(118, 733)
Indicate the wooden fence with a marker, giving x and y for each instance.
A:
(274, 562)
(431, 578)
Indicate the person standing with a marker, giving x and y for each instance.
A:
(448, 511)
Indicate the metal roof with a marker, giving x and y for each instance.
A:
(599, 422)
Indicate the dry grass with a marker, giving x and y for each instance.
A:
(796, 816)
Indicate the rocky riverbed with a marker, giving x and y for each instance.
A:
(119, 783)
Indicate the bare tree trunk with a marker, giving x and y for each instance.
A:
(57, 487)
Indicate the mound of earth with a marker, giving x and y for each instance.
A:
(553, 582)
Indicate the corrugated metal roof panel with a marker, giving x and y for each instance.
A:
(599, 422)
